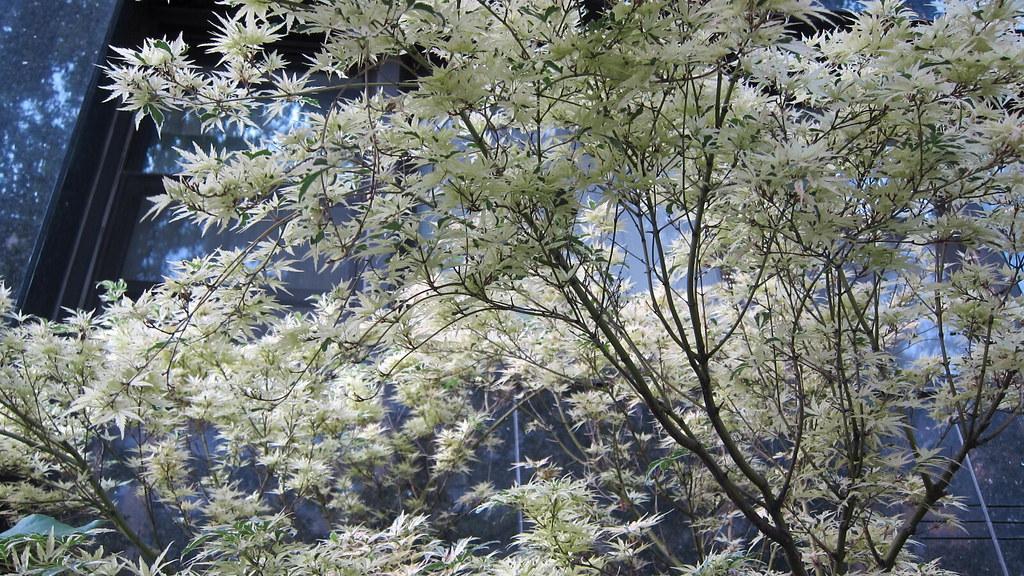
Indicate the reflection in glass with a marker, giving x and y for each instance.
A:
(183, 131)
(48, 49)
(927, 9)
(157, 243)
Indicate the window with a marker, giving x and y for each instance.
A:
(47, 69)
(146, 248)
(97, 231)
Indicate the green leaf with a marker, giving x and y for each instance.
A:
(761, 318)
(308, 181)
(155, 112)
(163, 46)
(43, 525)
(158, 346)
(197, 542)
(325, 344)
(665, 462)
(424, 7)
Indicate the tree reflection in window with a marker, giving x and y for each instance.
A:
(157, 243)
(47, 64)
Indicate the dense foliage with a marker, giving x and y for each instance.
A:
(752, 282)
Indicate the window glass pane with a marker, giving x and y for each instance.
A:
(156, 244)
(999, 467)
(48, 49)
(185, 131)
(924, 8)
(967, 548)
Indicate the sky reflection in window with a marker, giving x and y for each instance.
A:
(48, 49)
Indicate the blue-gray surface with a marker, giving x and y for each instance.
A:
(48, 49)
(924, 8)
